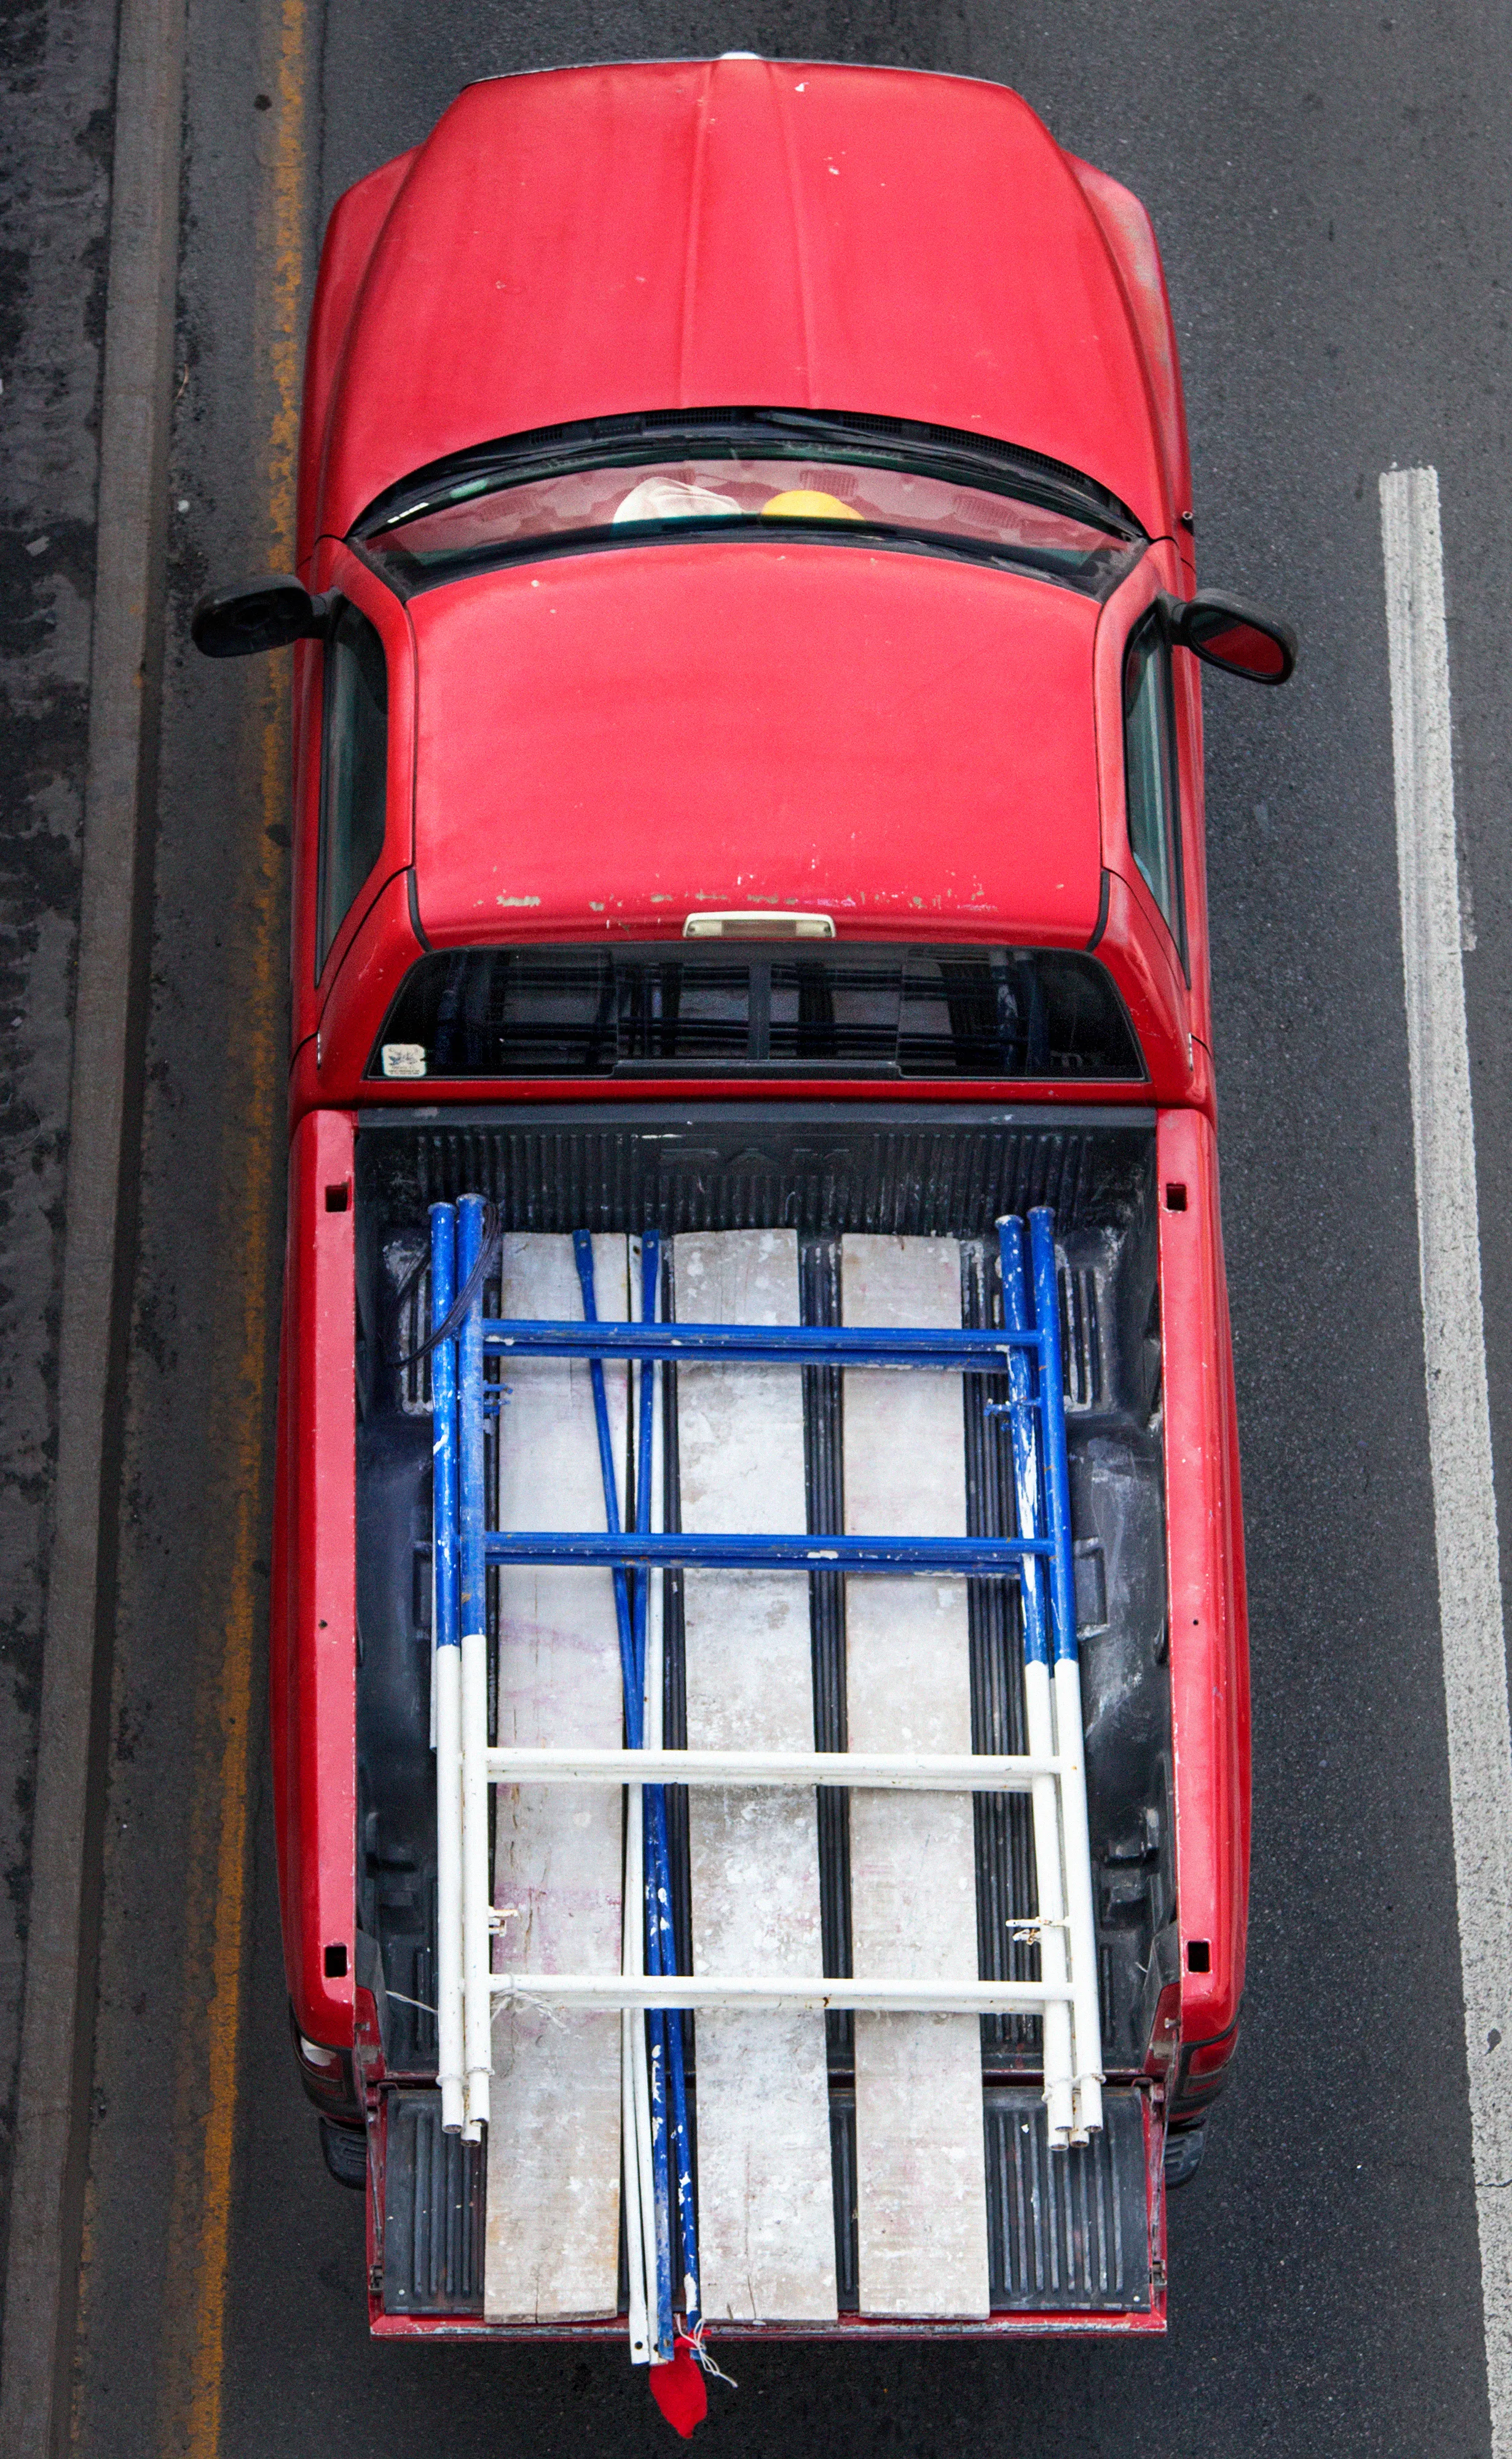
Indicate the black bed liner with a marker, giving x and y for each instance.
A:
(823, 1170)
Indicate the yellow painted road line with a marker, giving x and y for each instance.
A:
(236, 1438)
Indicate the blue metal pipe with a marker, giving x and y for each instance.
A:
(653, 1801)
(660, 2178)
(660, 1944)
(634, 1688)
(682, 2149)
(1057, 1481)
(674, 1550)
(1023, 1414)
(443, 1420)
(791, 1344)
(472, 1608)
(644, 1465)
(631, 1623)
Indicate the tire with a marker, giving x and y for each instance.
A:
(345, 2150)
(1185, 2147)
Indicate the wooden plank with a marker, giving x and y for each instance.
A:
(552, 2225)
(920, 2173)
(765, 2200)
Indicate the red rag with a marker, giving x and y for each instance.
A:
(679, 2390)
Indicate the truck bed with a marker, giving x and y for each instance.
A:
(1073, 2236)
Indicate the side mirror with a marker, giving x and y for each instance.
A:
(254, 614)
(1224, 632)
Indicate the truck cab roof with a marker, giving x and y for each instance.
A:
(613, 742)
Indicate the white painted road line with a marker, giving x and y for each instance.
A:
(1454, 1346)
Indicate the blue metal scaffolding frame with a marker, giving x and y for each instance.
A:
(1027, 1348)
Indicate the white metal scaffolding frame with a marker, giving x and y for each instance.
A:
(1051, 1770)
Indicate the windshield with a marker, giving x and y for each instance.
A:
(754, 477)
(679, 1009)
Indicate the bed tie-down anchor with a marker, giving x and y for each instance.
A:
(1026, 1350)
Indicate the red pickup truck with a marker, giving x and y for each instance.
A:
(748, 872)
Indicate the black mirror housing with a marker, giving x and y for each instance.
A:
(256, 615)
(1226, 633)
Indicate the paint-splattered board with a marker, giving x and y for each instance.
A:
(765, 2204)
(552, 2227)
(765, 2194)
(920, 2183)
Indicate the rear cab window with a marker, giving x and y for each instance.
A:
(1150, 772)
(675, 1009)
(354, 767)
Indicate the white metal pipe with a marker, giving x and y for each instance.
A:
(651, 1728)
(711, 1990)
(631, 1982)
(1045, 1796)
(449, 1884)
(633, 1966)
(634, 2242)
(1080, 1921)
(635, 2121)
(872, 1771)
(476, 1996)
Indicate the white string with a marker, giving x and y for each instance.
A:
(706, 2356)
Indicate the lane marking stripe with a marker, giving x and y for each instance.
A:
(1454, 1357)
(199, 2283)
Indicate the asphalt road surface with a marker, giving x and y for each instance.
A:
(1331, 190)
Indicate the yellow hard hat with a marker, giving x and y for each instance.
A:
(808, 504)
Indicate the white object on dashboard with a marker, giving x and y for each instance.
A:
(672, 499)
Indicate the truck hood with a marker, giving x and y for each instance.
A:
(677, 235)
(614, 741)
